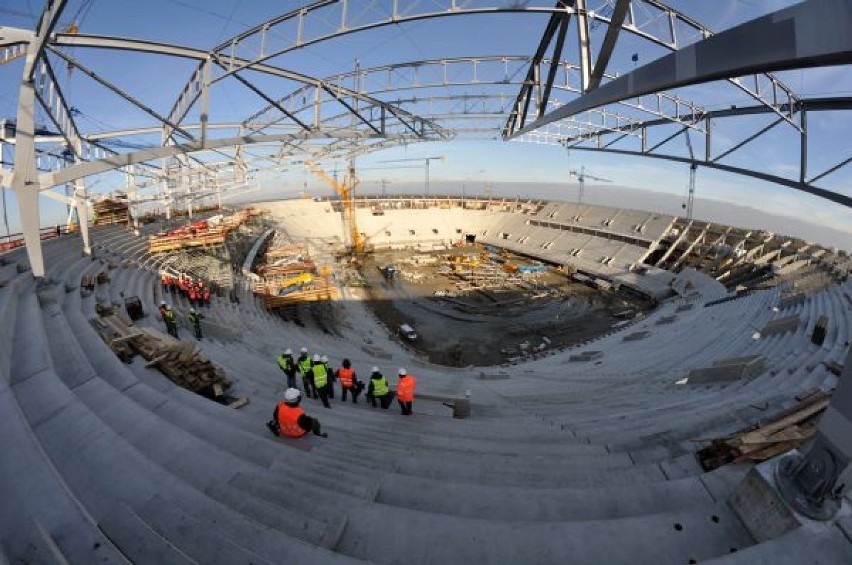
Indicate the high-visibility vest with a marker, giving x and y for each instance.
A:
(320, 375)
(380, 386)
(304, 364)
(193, 318)
(288, 420)
(169, 315)
(405, 388)
(285, 362)
(345, 375)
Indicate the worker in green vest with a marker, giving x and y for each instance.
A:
(304, 364)
(170, 321)
(378, 389)
(320, 379)
(288, 365)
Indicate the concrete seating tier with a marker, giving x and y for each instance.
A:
(114, 462)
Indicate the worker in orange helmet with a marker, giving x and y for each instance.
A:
(289, 419)
(405, 391)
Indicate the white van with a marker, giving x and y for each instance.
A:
(407, 332)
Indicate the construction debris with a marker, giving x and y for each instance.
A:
(786, 431)
(180, 361)
(205, 233)
(287, 276)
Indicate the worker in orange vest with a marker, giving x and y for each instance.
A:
(289, 419)
(405, 391)
(349, 382)
(192, 294)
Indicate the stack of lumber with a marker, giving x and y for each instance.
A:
(319, 289)
(180, 361)
(786, 431)
(108, 212)
(198, 234)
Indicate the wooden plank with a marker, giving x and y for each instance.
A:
(800, 414)
(238, 403)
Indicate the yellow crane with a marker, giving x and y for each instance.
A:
(346, 191)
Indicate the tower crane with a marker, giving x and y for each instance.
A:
(346, 191)
(426, 160)
(581, 178)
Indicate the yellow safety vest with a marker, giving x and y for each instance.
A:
(320, 375)
(380, 386)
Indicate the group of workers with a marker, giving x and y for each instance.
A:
(170, 319)
(318, 379)
(195, 291)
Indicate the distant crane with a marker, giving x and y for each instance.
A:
(581, 178)
(346, 191)
(426, 160)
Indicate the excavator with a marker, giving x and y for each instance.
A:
(346, 191)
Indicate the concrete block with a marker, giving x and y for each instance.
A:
(586, 356)
(761, 509)
(781, 325)
(636, 336)
(730, 369)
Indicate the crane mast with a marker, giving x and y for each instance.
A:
(346, 191)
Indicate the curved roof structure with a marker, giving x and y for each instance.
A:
(584, 454)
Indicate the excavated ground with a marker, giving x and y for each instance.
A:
(485, 328)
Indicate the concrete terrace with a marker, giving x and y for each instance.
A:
(561, 462)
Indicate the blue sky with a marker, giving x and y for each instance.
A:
(203, 23)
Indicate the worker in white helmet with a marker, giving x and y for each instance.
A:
(304, 365)
(288, 365)
(320, 379)
(378, 389)
(289, 419)
(405, 391)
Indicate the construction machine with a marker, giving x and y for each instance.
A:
(346, 191)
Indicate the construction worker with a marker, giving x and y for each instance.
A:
(331, 376)
(162, 309)
(405, 391)
(288, 365)
(194, 318)
(170, 321)
(304, 364)
(289, 419)
(349, 382)
(378, 389)
(319, 376)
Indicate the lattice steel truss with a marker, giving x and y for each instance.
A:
(549, 96)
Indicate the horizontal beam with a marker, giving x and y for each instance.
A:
(795, 184)
(80, 170)
(811, 34)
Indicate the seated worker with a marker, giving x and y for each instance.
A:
(289, 419)
(379, 389)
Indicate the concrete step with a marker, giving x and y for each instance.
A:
(700, 532)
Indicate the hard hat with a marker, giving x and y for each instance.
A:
(162, 303)
(324, 358)
(375, 369)
(192, 310)
(288, 351)
(292, 395)
(316, 358)
(304, 350)
(402, 371)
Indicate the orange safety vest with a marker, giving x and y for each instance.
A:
(345, 376)
(288, 420)
(405, 388)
